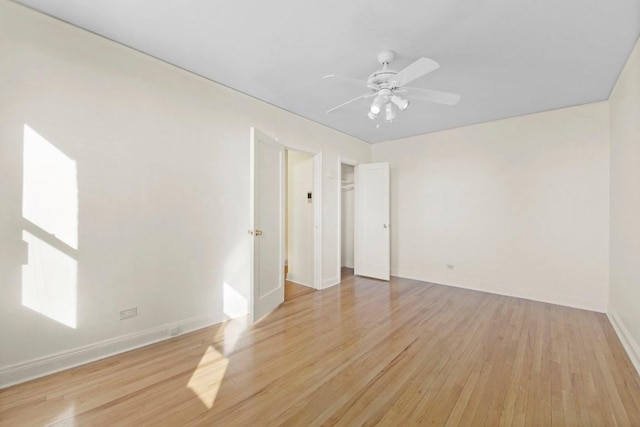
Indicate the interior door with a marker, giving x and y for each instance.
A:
(267, 224)
(372, 238)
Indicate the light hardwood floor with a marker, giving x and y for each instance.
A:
(364, 352)
(294, 290)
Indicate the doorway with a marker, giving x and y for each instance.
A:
(363, 245)
(268, 219)
(347, 218)
(301, 201)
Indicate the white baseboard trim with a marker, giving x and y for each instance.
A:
(299, 281)
(36, 368)
(596, 306)
(331, 281)
(629, 344)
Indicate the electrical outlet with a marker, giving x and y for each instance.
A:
(451, 267)
(128, 313)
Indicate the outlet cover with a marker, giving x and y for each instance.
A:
(128, 313)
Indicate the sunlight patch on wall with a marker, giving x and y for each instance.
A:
(50, 188)
(50, 208)
(235, 300)
(208, 375)
(49, 281)
(234, 304)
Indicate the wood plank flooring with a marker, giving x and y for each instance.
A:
(363, 353)
(294, 290)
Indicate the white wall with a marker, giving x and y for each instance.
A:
(517, 206)
(160, 161)
(300, 217)
(347, 212)
(624, 309)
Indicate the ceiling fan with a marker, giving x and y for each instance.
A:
(389, 91)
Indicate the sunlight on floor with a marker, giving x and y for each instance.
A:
(65, 418)
(233, 331)
(207, 378)
(49, 281)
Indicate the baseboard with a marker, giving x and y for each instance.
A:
(331, 281)
(518, 293)
(36, 368)
(348, 264)
(629, 344)
(300, 281)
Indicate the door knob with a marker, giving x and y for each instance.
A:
(385, 226)
(258, 232)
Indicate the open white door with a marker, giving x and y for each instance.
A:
(371, 246)
(267, 224)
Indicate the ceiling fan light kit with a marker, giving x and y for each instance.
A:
(401, 103)
(376, 106)
(390, 115)
(386, 85)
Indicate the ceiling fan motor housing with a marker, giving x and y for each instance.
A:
(385, 57)
(380, 79)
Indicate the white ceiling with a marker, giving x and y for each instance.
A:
(504, 57)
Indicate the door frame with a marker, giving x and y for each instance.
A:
(317, 209)
(347, 161)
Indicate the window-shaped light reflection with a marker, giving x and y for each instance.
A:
(50, 188)
(208, 375)
(49, 281)
(50, 207)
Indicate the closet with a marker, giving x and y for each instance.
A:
(347, 218)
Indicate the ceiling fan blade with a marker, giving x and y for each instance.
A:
(421, 67)
(433, 96)
(345, 79)
(366, 95)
